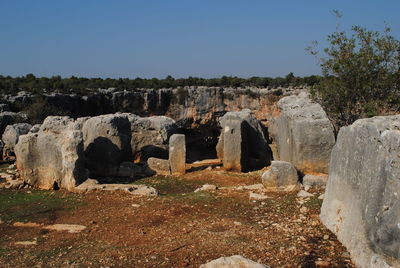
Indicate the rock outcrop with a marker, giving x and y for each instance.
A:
(282, 176)
(53, 157)
(303, 134)
(242, 144)
(10, 137)
(361, 204)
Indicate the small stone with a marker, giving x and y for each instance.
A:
(326, 237)
(321, 197)
(233, 261)
(206, 187)
(303, 193)
(254, 196)
(71, 228)
(26, 243)
(135, 205)
(237, 223)
(322, 263)
(26, 224)
(303, 210)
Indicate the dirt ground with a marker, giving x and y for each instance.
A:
(179, 228)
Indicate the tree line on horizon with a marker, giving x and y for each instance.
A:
(37, 85)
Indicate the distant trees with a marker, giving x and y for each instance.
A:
(11, 85)
(361, 75)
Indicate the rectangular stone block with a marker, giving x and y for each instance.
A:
(177, 154)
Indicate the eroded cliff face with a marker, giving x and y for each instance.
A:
(196, 110)
(190, 105)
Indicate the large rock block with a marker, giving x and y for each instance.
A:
(303, 133)
(159, 166)
(361, 204)
(107, 143)
(53, 157)
(177, 154)
(150, 136)
(282, 177)
(11, 135)
(242, 144)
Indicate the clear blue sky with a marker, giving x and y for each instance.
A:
(156, 38)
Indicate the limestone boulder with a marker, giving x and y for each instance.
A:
(11, 135)
(303, 133)
(150, 136)
(282, 176)
(9, 118)
(159, 166)
(94, 185)
(54, 156)
(243, 143)
(361, 204)
(310, 180)
(106, 143)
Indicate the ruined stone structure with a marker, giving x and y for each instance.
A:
(65, 152)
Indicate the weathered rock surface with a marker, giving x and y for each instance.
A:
(177, 154)
(242, 144)
(35, 128)
(361, 204)
(93, 185)
(194, 105)
(54, 156)
(107, 143)
(303, 133)
(150, 136)
(159, 166)
(11, 135)
(9, 118)
(235, 261)
(310, 180)
(281, 176)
